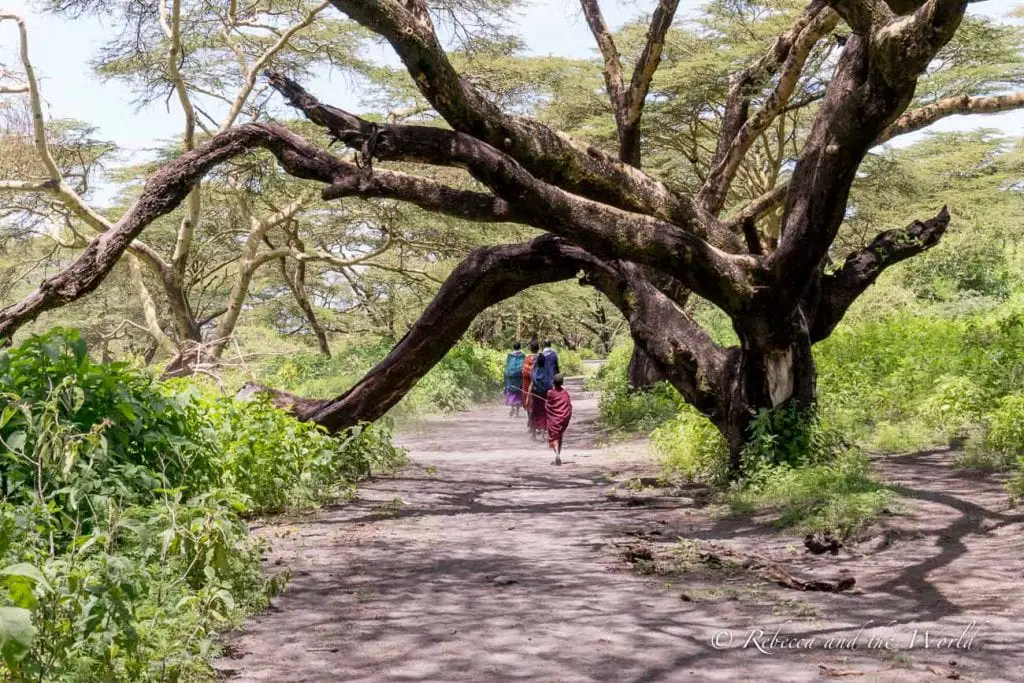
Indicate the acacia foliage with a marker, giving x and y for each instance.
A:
(681, 119)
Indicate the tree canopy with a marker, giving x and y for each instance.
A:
(709, 161)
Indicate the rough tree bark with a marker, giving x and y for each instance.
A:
(642, 244)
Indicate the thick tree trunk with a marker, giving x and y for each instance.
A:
(773, 367)
(642, 373)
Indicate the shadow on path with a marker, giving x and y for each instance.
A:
(483, 562)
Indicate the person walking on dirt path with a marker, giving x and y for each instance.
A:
(528, 363)
(550, 359)
(514, 380)
(559, 411)
(540, 383)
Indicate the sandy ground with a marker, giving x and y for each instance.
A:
(483, 562)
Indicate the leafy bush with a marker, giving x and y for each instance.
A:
(960, 264)
(123, 545)
(881, 370)
(584, 353)
(140, 597)
(468, 374)
(910, 382)
(901, 437)
(1001, 443)
(570, 363)
(954, 404)
(839, 497)
(626, 410)
(799, 466)
(792, 437)
(300, 464)
(72, 429)
(313, 375)
(690, 446)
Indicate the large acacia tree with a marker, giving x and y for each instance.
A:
(646, 245)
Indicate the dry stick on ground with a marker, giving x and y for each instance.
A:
(773, 571)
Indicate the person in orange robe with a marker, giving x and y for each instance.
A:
(531, 358)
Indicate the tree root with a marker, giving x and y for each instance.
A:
(773, 572)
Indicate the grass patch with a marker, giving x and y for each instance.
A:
(689, 446)
(389, 508)
(789, 607)
(841, 497)
(976, 456)
(902, 437)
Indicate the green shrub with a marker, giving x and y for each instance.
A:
(977, 456)
(690, 446)
(625, 410)
(910, 382)
(880, 370)
(1005, 426)
(799, 466)
(960, 264)
(100, 429)
(789, 436)
(142, 596)
(839, 497)
(468, 374)
(299, 464)
(902, 437)
(954, 404)
(313, 375)
(585, 353)
(570, 363)
(1002, 441)
(123, 546)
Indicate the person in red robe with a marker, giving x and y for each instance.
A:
(558, 407)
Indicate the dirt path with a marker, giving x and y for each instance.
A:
(483, 562)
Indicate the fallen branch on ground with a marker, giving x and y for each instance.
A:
(772, 571)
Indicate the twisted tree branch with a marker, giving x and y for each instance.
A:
(551, 156)
(607, 231)
(861, 268)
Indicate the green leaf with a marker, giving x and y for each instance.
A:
(126, 410)
(19, 590)
(16, 441)
(5, 416)
(16, 634)
(227, 599)
(27, 571)
(79, 399)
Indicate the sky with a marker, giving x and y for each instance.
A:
(61, 50)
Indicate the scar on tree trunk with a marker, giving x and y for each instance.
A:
(765, 377)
